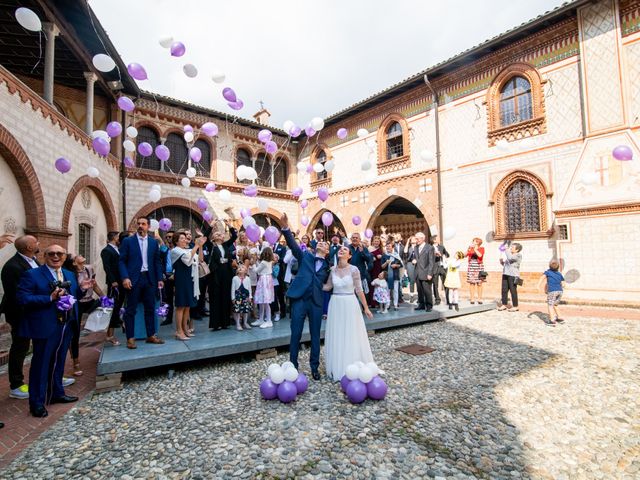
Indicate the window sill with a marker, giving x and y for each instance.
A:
(394, 164)
(517, 131)
(523, 235)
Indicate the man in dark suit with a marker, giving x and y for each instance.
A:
(110, 256)
(27, 247)
(141, 273)
(48, 327)
(440, 272)
(279, 306)
(361, 258)
(425, 269)
(305, 293)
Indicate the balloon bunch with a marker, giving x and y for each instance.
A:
(361, 381)
(283, 382)
(266, 137)
(232, 100)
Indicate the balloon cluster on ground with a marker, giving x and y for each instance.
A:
(283, 382)
(362, 381)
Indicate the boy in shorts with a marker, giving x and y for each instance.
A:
(554, 285)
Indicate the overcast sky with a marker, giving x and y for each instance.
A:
(303, 58)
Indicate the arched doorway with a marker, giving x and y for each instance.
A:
(316, 223)
(398, 215)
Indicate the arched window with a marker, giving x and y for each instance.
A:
(179, 158)
(149, 135)
(204, 167)
(321, 158)
(394, 141)
(84, 241)
(263, 169)
(243, 157)
(180, 217)
(280, 174)
(515, 101)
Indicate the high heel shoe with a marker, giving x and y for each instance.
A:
(77, 372)
(181, 337)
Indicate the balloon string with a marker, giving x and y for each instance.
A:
(40, 50)
(100, 37)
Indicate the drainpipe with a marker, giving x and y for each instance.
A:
(438, 155)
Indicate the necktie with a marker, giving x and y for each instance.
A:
(59, 274)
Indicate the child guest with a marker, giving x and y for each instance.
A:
(452, 280)
(241, 297)
(264, 289)
(392, 264)
(554, 287)
(381, 292)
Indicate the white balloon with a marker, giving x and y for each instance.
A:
(318, 167)
(251, 173)
(272, 367)
(589, 178)
(359, 364)
(352, 371)
(28, 19)
(165, 42)
(288, 125)
(366, 165)
(302, 166)
(290, 374)
(365, 374)
(103, 62)
(185, 182)
(224, 195)
(191, 172)
(287, 364)
(241, 172)
(154, 195)
(93, 172)
(449, 232)
(317, 123)
(502, 145)
(188, 137)
(329, 165)
(374, 368)
(218, 77)
(362, 132)
(154, 225)
(427, 156)
(246, 221)
(132, 132)
(261, 232)
(190, 70)
(100, 134)
(129, 146)
(277, 375)
(155, 186)
(263, 205)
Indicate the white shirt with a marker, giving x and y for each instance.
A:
(114, 247)
(54, 273)
(32, 263)
(144, 245)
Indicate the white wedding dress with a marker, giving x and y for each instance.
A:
(346, 340)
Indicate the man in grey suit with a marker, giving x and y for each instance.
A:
(425, 270)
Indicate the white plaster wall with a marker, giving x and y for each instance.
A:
(12, 214)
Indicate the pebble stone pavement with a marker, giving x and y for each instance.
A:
(502, 396)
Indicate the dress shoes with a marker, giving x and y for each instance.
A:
(39, 411)
(419, 307)
(315, 375)
(428, 310)
(154, 339)
(131, 343)
(64, 399)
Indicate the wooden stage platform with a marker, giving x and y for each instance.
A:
(208, 344)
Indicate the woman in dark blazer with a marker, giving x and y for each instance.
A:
(220, 279)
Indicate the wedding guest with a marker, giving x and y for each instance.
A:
(278, 290)
(425, 267)
(510, 261)
(169, 285)
(279, 304)
(377, 251)
(187, 285)
(241, 298)
(264, 289)
(305, 244)
(392, 266)
(361, 259)
(452, 281)
(318, 237)
(475, 271)
(110, 256)
(441, 254)
(554, 285)
(411, 258)
(220, 278)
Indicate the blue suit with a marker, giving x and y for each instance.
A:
(50, 336)
(144, 285)
(306, 296)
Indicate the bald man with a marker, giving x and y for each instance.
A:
(27, 247)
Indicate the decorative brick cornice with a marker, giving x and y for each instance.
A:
(323, 182)
(394, 165)
(633, 207)
(103, 195)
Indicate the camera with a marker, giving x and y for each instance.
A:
(66, 285)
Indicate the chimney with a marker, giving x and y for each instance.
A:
(262, 116)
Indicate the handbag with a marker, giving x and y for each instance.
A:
(482, 275)
(203, 269)
(98, 320)
(519, 282)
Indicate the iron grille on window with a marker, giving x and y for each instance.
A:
(146, 134)
(280, 174)
(243, 158)
(180, 217)
(394, 141)
(204, 167)
(515, 102)
(321, 158)
(563, 232)
(179, 160)
(263, 169)
(84, 241)
(522, 209)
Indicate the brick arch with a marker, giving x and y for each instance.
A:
(272, 213)
(316, 219)
(97, 187)
(381, 137)
(171, 129)
(25, 175)
(149, 124)
(413, 227)
(150, 207)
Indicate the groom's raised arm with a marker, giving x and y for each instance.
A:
(288, 236)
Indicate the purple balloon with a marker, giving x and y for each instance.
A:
(101, 146)
(344, 383)
(251, 191)
(323, 193)
(164, 224)
(114, 129)
(236, 105)
(327, 219)
(297, 192)
(295, 131)
(342, 133)
(245, 212)
(202, 203)
(309, 168)
(301, 383)
(368, 233)
(623, 153)
(271, 234)
(356, 220)
(177, 49)
(128, 162)
(356, 391)
(207, 216)
(503, 247)
(271, 147)
(229, 95)
(145, 149)
(195, 154)
(210, 129)
(253, 232)
(126, 104)
(304, 203)
(287, 392)
(187, 128)
(63, 165)
(268, 389)
(377, 388)
(137, 71)
(211, 187)
(309, 131)
(304, 220)
(264, 135)
(163, 152)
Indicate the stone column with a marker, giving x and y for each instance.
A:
(162, 167)
(51, 32)
(91, 80)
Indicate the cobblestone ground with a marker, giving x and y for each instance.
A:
(502, 396)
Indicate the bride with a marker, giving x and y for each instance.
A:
(346, 340)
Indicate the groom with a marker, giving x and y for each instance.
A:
(305, 293)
